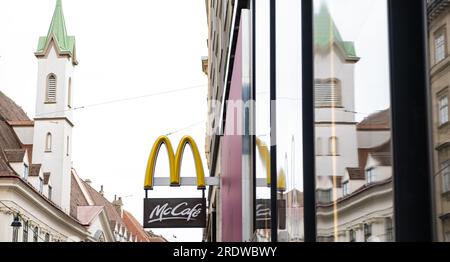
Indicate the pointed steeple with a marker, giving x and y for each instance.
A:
(326, 33)
(58, 33)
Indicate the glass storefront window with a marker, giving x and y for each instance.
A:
(354, 185)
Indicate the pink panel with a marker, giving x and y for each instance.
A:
(231, 189)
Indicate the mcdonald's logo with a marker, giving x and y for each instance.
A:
(175, 161)
(264, 155)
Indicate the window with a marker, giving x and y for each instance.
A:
(389, 230)
(370, 176)
(51, 89)
(327, 93)
(333, 146)
(324, 196)
(41, 185)
(319, 146)
(439, 45)
(47, 237)
(445, 169)
(50, 192)
(69, 94)
(15, 236)
(67, 148)
(35, 234)
(25, 171)
(48, 142)
(25, 231)
(345, 190)
(367, 232)
(352, 235)
(443, 110)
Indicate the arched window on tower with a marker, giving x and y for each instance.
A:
(48, 142)
(50, 96)
(69, 94)
(333, 146)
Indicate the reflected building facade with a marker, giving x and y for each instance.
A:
(439, 60)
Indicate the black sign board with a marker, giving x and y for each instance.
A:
(263, 207)
(174, 212)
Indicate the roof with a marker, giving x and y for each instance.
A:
(27, 123)
(85, 214)
(14, 155)
(77, 197)
(58, 33)
(10, 111)
(381, 154)
(326, 34)
(355, 173)
(377, 121)
(34, 169)
(137, 230)
(100, 200)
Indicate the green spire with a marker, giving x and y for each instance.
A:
(58, 33)
(326, 34)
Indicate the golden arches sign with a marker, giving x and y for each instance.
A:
(264, 154)
(175, 161)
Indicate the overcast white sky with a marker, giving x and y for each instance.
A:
(139, 47)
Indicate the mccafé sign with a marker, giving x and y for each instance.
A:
(174, 212)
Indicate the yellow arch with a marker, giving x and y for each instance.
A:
(265, 157)
(150, 171)
(175, 161)
(175, 180)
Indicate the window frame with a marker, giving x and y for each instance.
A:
(36, 234)
(48, 142)
(345, 188)
(26, 171)
(25, 231)
(445, 169)
(335, 93)
(441, 108)
(69, 93)
(333, 146)
(47, 99)
(50, 192)
(441, 32)
(41, 185)
(370, 176)
(367, 230)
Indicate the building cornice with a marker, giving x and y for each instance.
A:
(55, 118)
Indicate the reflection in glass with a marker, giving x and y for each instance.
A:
(438, 17)
(289, 121)
(262, 122)
(354, 200)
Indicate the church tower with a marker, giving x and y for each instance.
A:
(53, 123)
(334, 69)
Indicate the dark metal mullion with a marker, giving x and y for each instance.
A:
(273, 124)
(309, 179)
(410, 124)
